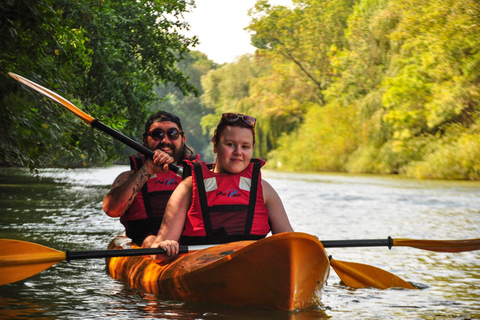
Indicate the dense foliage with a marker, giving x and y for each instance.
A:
(189, 108)
(104, 56)
(385, 86)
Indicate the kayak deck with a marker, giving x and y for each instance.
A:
(286, 271)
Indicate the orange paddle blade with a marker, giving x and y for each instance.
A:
(357, 275)
(20, 259)
(55, 97)
(440, 245)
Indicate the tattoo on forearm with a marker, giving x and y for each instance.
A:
(142, 179)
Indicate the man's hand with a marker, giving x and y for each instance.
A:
(159, 163)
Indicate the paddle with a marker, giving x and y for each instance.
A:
(95, 123)
(21, 259)
(357, 275)
(431, 245)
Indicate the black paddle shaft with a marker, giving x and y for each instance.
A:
(78, 255)
(131, 143)
(359, 243)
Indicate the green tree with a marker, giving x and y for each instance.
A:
(432, 93)
(300, 48)
(105, 56)
(403, 95)
(363, 64)
(437, 69)
(303, 36)
(38, 43)
(230, 89)
(386, 86)
(189, 108)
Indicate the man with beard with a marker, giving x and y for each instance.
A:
(139, 196)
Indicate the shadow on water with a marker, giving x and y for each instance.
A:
(154, 307)
(116, 301)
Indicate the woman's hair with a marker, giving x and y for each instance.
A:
(239, 122)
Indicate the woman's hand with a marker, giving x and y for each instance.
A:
(171, 248)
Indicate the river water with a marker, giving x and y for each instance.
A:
(61, 209)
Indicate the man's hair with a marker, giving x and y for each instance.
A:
(161, 116)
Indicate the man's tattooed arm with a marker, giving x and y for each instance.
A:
(123, 191)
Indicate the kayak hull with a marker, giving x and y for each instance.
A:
(286, 271)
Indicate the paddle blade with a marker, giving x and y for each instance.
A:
(440, 245)
(55, 97)
(20, 259)
(357, 275)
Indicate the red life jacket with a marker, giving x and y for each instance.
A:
(226, 207)
(145, 214)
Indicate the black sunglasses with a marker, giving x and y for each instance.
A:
(234, 117)
(159, 134)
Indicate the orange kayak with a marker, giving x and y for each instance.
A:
(286, 271)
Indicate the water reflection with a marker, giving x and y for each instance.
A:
(152, 307)
(62, 209)
(18, 309)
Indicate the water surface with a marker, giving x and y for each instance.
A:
(62, 209)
